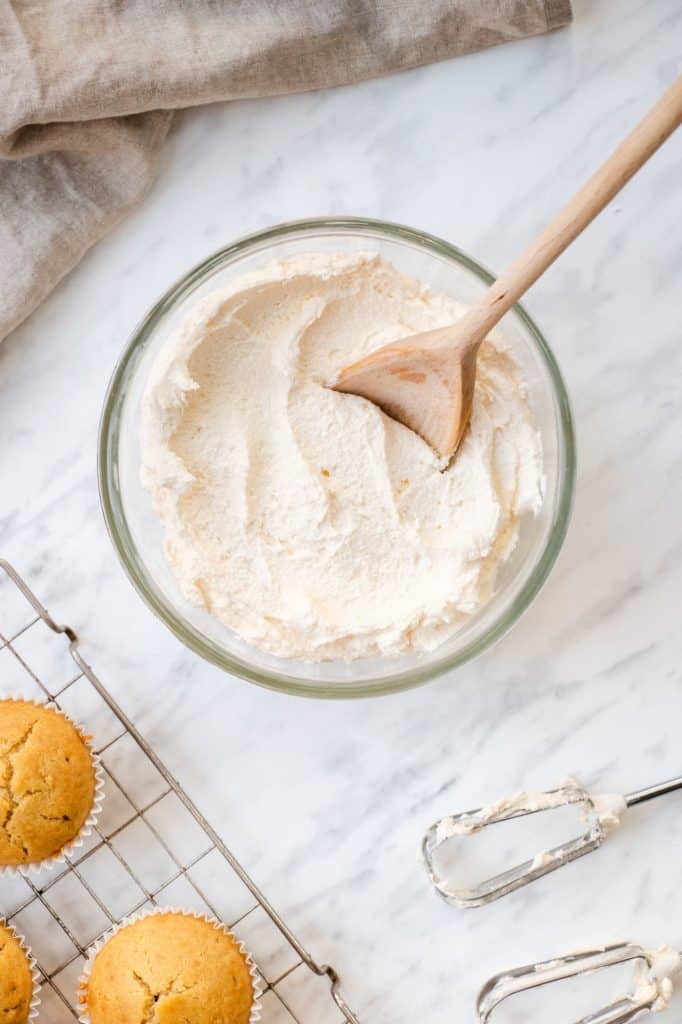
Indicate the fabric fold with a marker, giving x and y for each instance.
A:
(87, 88)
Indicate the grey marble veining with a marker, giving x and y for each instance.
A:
(325, 803)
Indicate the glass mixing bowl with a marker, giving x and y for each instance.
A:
(137, 534)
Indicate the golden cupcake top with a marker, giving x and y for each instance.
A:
(171, 968)
(16, 980)
(47, 782)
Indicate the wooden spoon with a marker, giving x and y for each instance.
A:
(426, 381)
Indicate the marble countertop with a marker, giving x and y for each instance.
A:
(325, 802)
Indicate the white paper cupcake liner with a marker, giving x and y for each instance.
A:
(256, 980)
(35, 974)
(95, 810)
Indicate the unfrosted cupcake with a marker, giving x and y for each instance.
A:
(16, 979)
(172, 967)
(47, 783)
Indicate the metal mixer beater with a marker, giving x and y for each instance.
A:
(601, 812)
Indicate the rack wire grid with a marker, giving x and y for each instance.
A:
(151, 846)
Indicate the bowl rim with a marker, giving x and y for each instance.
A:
(116, 523)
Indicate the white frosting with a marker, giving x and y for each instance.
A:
(308, 521)
(606, 808)
(654, 979)
(545, 857)
(523, 801)
(609, 808)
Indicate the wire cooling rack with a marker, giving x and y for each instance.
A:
(151, 846)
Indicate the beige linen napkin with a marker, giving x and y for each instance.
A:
(87, 89)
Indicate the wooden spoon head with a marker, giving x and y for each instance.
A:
(428, 388)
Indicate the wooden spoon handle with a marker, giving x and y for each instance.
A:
(633, 152)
